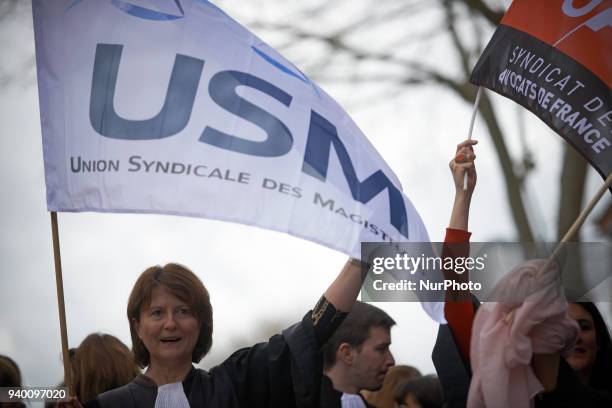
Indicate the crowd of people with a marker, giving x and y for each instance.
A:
(540, 352)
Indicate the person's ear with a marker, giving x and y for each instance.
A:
(346, 353)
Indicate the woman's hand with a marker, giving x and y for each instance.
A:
(463, 163)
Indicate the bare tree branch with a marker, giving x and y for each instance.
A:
(401, 11)
(493, 16)
(464, 57)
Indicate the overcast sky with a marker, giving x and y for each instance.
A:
(256, 278)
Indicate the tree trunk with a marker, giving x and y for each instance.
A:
(573, 176)
(572, 183)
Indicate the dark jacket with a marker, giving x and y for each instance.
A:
(455, 375)
(285, 372)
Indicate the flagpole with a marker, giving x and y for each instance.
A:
(60, 302)
(579, 221)
(570, 233)
(476, 103)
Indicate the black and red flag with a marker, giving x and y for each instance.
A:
(554, 57)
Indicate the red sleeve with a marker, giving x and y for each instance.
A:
(459, 314)
(454, 236)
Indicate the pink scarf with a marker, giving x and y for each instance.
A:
(532, 319)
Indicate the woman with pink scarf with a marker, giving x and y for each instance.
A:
(516, 348)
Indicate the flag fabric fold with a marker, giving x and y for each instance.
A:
(555, 59)
(172, 107)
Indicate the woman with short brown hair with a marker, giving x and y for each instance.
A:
(171, 323)
(183, 284)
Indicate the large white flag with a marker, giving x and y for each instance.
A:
(172, 107)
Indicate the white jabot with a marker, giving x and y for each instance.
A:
(171, 396)
(352, 401)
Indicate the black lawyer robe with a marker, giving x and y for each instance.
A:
(285, 372)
